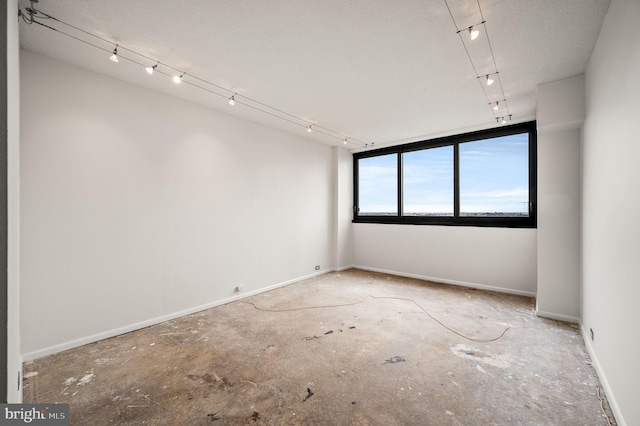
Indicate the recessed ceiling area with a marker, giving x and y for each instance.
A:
(376, 71)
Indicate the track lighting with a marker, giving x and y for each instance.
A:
(232, 100)
(496, 106)
(479, 50)
(114, 57)
(29, 16)
(150, 70)
(503, 119)
(473, 31)
(488, 80)
(473, 34)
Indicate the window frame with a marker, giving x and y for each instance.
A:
(456, 219)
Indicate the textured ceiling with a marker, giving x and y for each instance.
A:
(378, 71)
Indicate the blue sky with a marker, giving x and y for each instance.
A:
(493, 178)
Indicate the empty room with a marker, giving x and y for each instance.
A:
(321, 212)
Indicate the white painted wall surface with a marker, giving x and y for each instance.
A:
(14, 362)
(137, 206)
(343, 193)
(560, 104)
(493, 258)
(560, 115)
(611, 208)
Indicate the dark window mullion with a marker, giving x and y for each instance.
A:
(400, 210)
(533, 176)
(356, 188)
(456, 181)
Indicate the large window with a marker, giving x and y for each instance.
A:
(483, 178)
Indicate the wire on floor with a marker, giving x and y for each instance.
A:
(473, 339)
(602, 407)
(594, 377)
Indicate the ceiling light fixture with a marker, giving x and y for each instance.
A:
(150, 70)
(232, 100)
(473, 34)
(345, 141)
(114, 57)
(503, 119)
(309, 128)
(497, 106)
(489, 81)
(178, 79)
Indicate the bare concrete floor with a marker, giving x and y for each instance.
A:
(348, 348)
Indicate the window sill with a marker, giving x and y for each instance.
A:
(486, 222)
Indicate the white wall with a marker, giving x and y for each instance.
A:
(611, 208)
(560, 113)
(343, 193)
(14, 362)
(500, 259)
(137, 206)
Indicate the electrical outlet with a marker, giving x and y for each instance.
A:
(239, 288)
(317, 267)
(591, 332)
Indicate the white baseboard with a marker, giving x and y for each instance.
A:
(30, 356)
(343, 268)
(559, 317)
(447, 281)
(602, 377)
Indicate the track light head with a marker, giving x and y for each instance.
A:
(309, 128)
(489, 80)
(495, 108)
(345, 141)
(232, 100)
(114, 57)
(150, 70)
(178, 79)
(473, 34)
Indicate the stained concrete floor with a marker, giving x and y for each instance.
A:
(348, 348)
